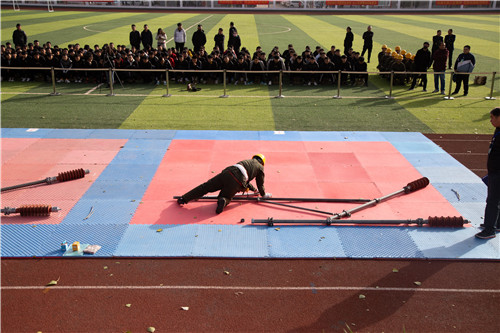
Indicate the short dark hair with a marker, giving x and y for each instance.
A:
(495, 112)
(427, 43)
(361, 58)
(467, 46)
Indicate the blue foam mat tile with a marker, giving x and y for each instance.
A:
(115, 190)
(453, 243)
(362, 136)
(378, 242)
(196, 135)
(449, 174)
(472, 211)
(145, 241)
(146, 144)
(111, 134)
(458, 192)
(107, 236)
(321, 136)
(418, 147)
(404, 137)
(25, 240)
(237, 135)
(280, 136)
(129, 172)
(304, 242)
(102, 212)
(432, 160)
(140, 157)
(230, 241)
(69, 134)
(24, 132)
(154, 134)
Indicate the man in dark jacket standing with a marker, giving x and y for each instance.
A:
(233, 179)
(146, 37)
(219, 40)
(436, 40)
(465, 64)
(135, 38)
(422, 62)
(19, 36)
(492, 180)
(199, 39)
(368, 42)
(439, 57)
(349, 38)
(449, 40)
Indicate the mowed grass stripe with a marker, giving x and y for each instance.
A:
(446, 24)
(273, 32)
(494, 19)
(481, 46)
(11, 17)
(69, 24)
(203, 113)
(117, 31)
(15, 87)
(247, 29)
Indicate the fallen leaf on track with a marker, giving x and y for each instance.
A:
(361, 296)
(395, 270)
(185, 308)
(128, 305)
(151, 329)
(418, 283)
(53, 282)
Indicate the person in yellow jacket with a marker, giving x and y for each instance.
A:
(233, 179)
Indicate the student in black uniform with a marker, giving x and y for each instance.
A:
(368, 42)
(492, 180)
(233, 179)
(349, 38)
(449, 40)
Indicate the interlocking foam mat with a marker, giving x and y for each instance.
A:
(125, 204)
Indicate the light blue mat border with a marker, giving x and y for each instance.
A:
(463, 189)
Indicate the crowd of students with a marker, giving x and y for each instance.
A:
(203, 62)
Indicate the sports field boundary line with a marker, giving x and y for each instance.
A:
(437, 97)
(93, 89)
(250, 288)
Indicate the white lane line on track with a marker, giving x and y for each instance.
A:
(339, 288)
(93, 89)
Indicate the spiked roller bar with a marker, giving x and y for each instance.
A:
(442, 221)
(31, 210)
(61, 177)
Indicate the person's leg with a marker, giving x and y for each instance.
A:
(214, 184)
(364, 50)
(450, 57)
(424, 81)
(369, 53)
(458, 83)
(466, 84)
(441, 78)
(436, 82)
(491, 212)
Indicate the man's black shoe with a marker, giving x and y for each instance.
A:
(181, 201)
(465, 94)
(220, 205)
(497, 229)
(486, 234)
(454, 93)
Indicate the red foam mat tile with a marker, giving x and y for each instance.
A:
(88, 156)
(16, 144)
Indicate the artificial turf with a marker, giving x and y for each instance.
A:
(253, 107)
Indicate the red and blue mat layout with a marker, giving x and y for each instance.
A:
(125, 202)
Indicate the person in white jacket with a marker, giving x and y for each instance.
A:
(179, 37)
(161, 38)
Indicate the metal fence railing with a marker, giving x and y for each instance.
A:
(391, 75)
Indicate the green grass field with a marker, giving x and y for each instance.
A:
(138, 106)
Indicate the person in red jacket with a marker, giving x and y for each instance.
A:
(440, 56)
